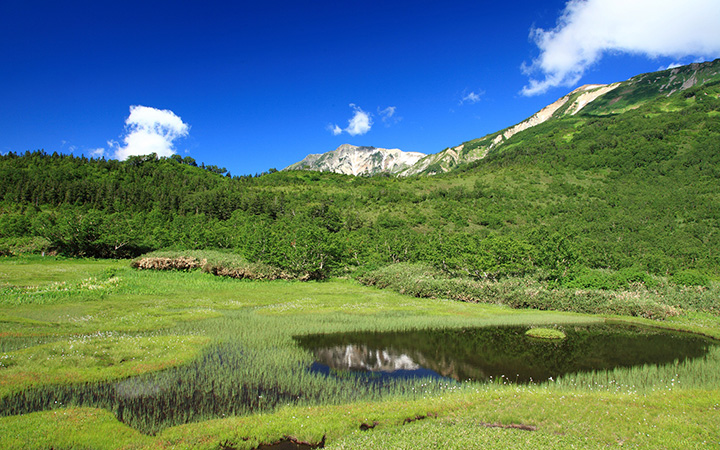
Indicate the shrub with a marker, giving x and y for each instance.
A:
(24, 245)
(690, 278)
(592, 279)
(635, 275)
(607, 280)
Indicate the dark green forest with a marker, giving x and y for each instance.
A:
(636, 192)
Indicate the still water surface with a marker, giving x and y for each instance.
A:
(483, 354)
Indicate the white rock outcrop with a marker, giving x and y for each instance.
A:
(353, 160)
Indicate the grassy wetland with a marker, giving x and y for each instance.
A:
(95, 354)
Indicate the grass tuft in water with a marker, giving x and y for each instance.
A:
(545, 333)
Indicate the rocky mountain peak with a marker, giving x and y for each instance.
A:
(354, 160)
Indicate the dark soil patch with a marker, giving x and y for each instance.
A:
(517, 426)
(365, 427)
(416, 418)
(290, 443)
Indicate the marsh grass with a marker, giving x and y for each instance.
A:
(253, 362)
(94, 357)
(675, 419)
(249, 354)
(577, 420)
(253, 366)
(47, 280)
(37, 271)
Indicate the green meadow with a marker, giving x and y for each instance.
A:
(90, 332)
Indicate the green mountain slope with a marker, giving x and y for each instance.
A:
(642, 88)
(588, 100)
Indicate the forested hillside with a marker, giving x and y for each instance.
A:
(633, 190)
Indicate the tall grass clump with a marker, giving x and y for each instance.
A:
(526, 292)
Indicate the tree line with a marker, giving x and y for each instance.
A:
(636, 190)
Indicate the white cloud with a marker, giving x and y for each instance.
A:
(388, 112)
(388, 115)
(471, 97)
(587, 29)
(359, 124)
(96, 152)
(334, 129)
(150, 130)
(669, 66)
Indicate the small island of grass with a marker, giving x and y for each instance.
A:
(545, 333)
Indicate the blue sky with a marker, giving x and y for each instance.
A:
(256, 85)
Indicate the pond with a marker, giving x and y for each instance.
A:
(491, 353)
(230, 378)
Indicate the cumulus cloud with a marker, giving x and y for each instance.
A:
(150, 130)
(359, 124)
(588, 29)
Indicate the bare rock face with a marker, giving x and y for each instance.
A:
(353, 160)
